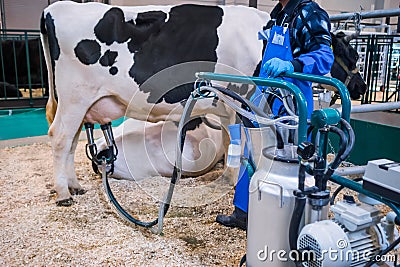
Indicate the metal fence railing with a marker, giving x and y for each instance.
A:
(379, 66)
(23, 73)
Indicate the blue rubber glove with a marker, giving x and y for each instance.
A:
(276, 66)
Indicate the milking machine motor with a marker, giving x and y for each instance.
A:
(289, 221)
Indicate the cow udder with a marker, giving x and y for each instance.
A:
(105, 110)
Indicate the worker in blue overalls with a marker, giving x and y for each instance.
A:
(296, 39)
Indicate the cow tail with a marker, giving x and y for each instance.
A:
(51, 106)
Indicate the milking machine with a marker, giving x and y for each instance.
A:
(289, 206)
(103, 163)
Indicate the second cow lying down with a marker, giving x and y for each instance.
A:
(149, 149)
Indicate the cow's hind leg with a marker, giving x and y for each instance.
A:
(63, 134)
(73, 184)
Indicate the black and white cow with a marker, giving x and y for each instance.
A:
(106, 62)
(344, 67)
(147, 149)
(8, 90)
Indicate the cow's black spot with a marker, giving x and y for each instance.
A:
(108, 59)
(87, 51)
(113, 70)
(54, 47)
(43, 24)
(147, 24)
(113, 28)
(192, 124)
(190, 34)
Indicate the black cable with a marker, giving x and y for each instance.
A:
(245, 105)
(340, 188)
(346, 145)
(295, 221)
(383, 252)
(351, 138)
(309, 130)
(343, 145)
(123, 212)
(173, 181)
(251, 108)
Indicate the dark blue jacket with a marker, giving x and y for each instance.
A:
(310, 37)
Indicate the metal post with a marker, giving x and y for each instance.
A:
(3, 15)
(398, 23)
(367, 15)
(375, 107)
(253, 3)
(28, 63)
(344, 171)
(15, 65)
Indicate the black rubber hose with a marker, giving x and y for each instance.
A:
(174, 179)
(309, 130)
(280, 144)
(351, 138)
(295, 221)
(340, 188)
(383, 252)
(230, 93)
(123, 212)
(341, 156)
(250, 107)
(343, 144)
(302, 177)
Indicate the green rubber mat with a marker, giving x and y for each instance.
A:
(19, 123)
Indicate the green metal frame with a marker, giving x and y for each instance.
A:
(302, 105)
(346, 109)
(359, 189)
(342, 89)
(301, 100)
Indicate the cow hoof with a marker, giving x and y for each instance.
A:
(65, 202)
(75, 192)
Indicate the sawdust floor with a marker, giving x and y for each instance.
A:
(35, 232)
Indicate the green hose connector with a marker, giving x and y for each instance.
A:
(323, 117)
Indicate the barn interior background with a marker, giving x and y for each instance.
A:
(23, 81)
(24, 77)
(25, 14)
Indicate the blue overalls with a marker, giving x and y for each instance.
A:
(278, 45)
